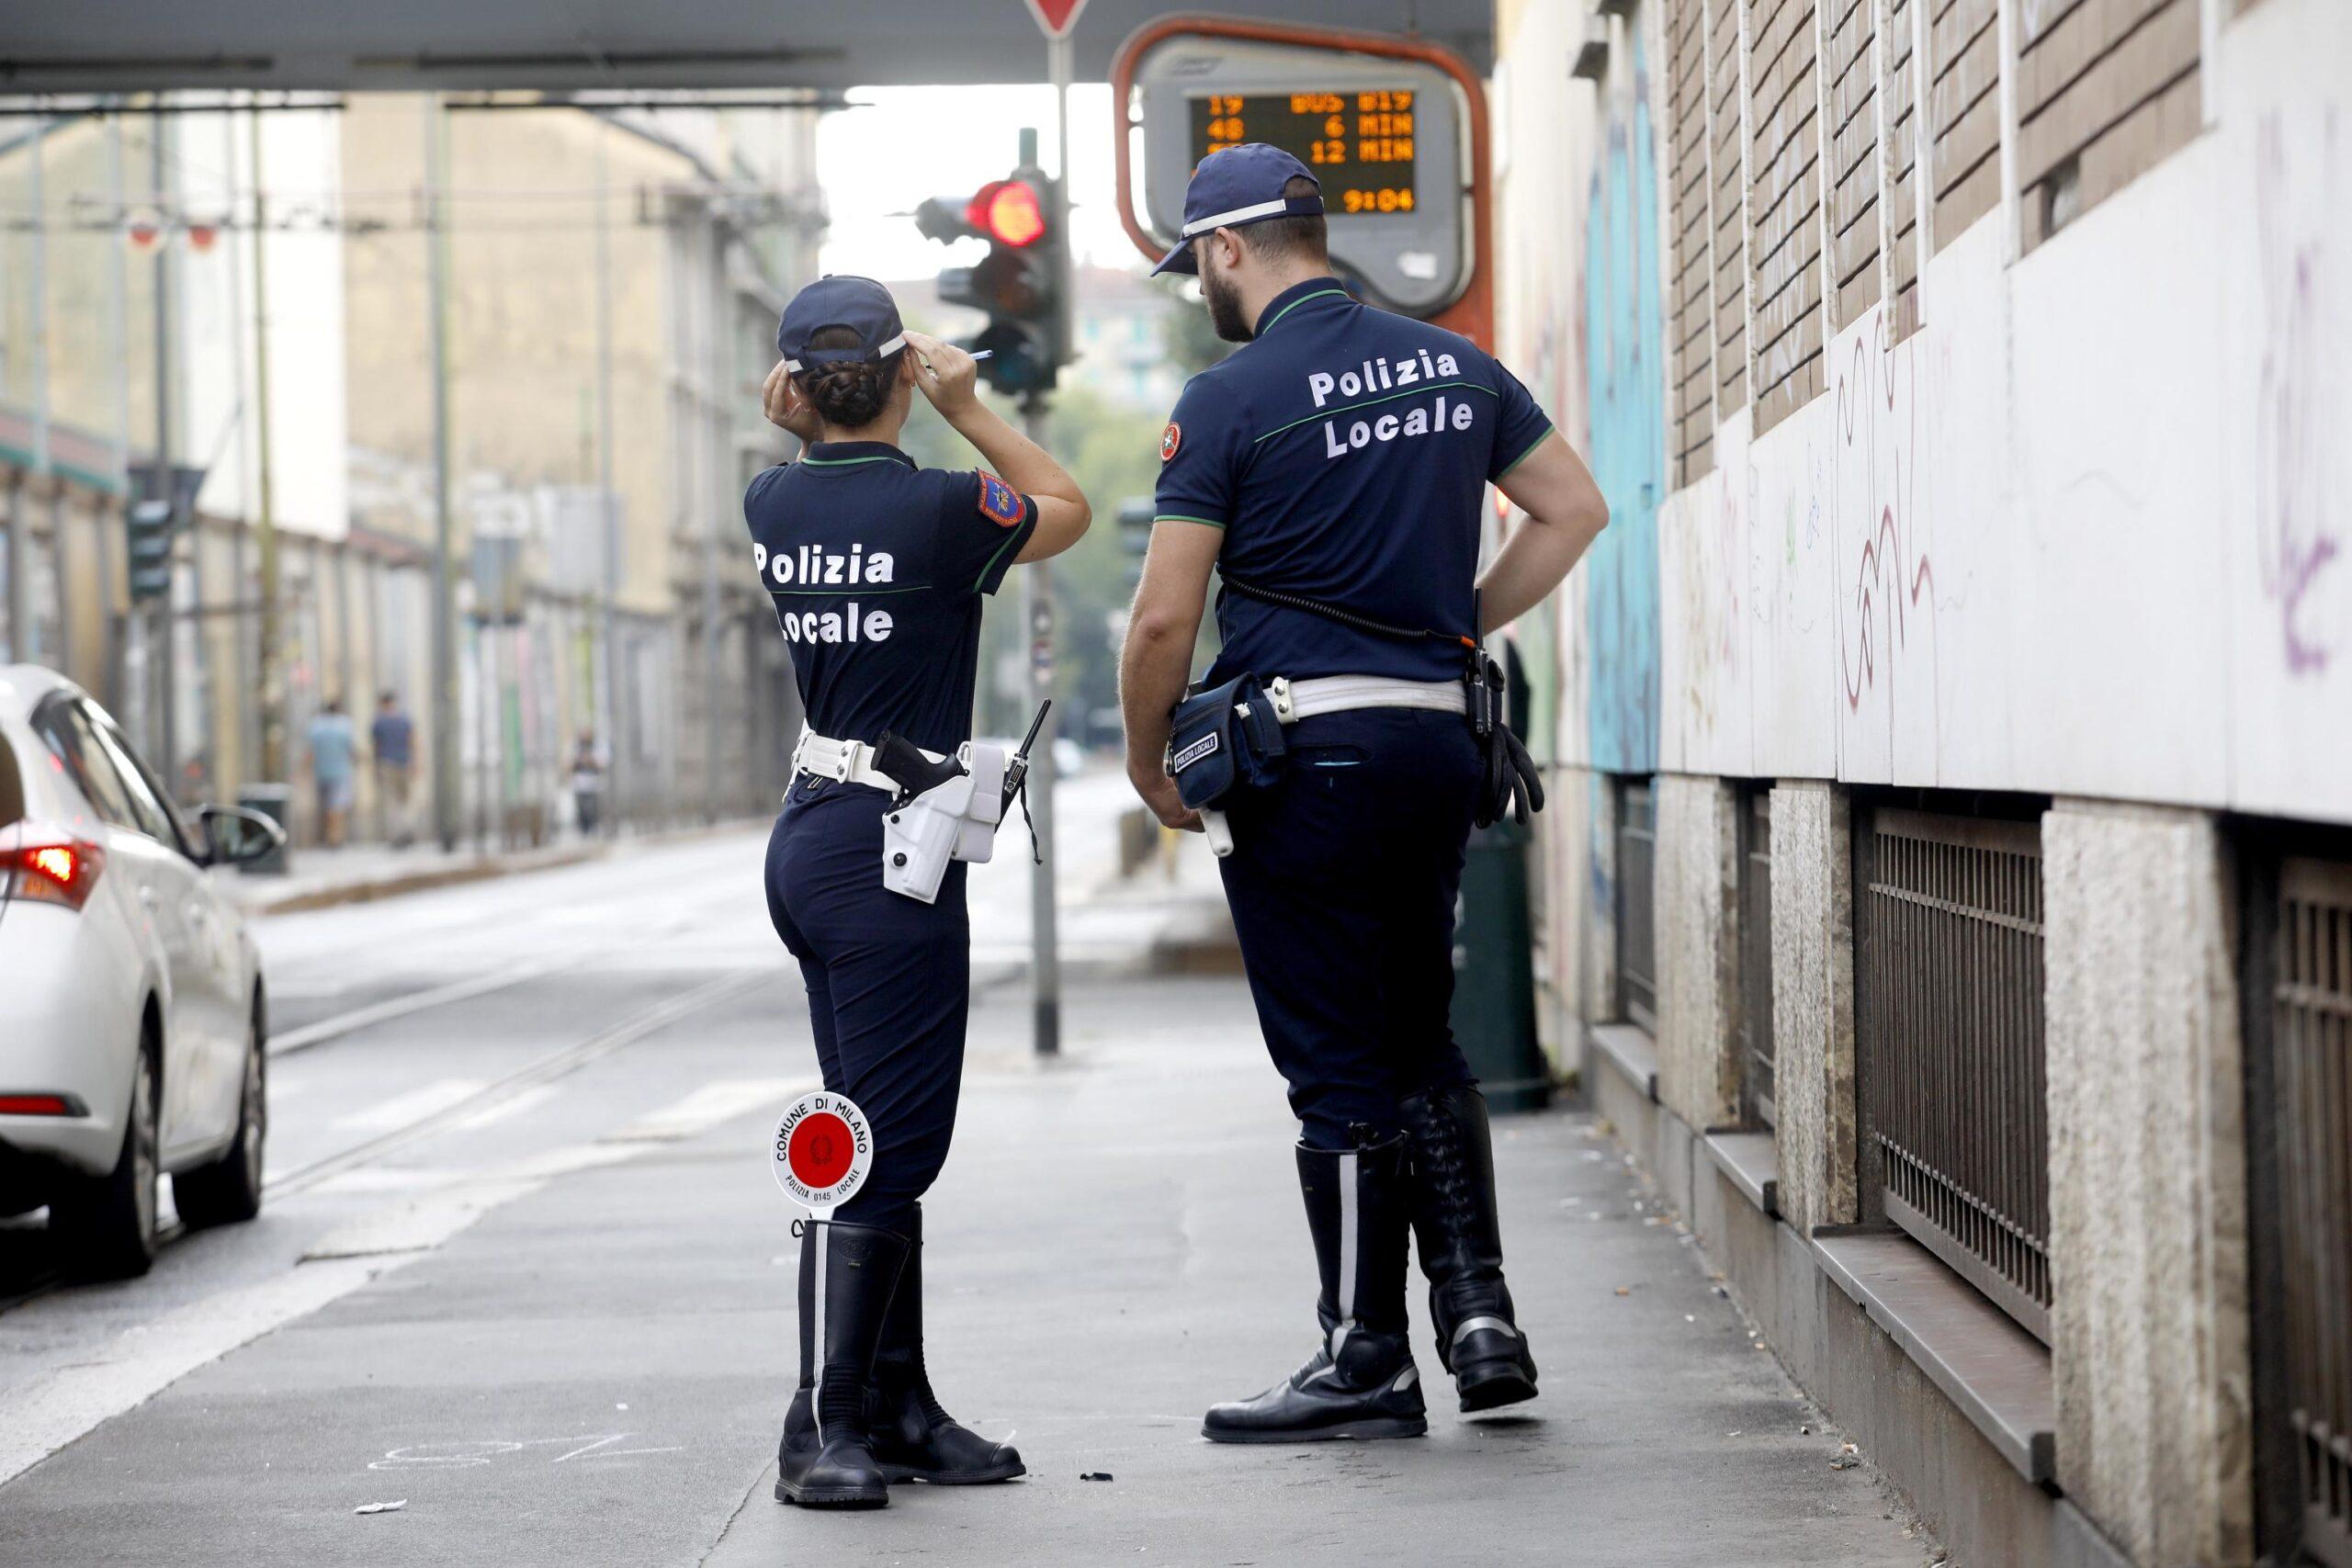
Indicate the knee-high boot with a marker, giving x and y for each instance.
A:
(912, 1437)
(1461, 1245)
(1361, 1382)
(847, 1273)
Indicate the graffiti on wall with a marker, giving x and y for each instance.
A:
(2298, 427)
(1877, 436)
(1625, 347)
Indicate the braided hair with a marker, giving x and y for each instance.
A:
(851, 392)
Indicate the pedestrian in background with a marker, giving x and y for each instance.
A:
(877, 568)
(334, 757)
(392, 738)
(587, 782)
(1333, 473)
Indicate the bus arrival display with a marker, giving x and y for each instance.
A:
(1360, 143)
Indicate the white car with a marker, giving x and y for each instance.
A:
(131, 1021)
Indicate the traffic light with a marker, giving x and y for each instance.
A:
(1022, 284)
(150, 554)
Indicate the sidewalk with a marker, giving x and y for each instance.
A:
(596, 1370)
(357, 873)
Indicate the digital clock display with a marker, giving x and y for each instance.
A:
(1360, 143)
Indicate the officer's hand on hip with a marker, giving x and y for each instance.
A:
(1159, 793)
(787, 409)
(945, 374)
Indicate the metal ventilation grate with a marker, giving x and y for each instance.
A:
(1636, 921)
(1947, 995)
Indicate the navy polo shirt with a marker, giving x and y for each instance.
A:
(1345, 452)
(876, 568)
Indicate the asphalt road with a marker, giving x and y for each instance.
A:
(522, 1271)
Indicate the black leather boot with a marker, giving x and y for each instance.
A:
(1462, 1249)
(1362, 1382)
(911, 1436)
(847, 1273)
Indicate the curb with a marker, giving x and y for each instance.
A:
(393, 885)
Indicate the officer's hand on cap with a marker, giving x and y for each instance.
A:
(946, 373)
(780, 399)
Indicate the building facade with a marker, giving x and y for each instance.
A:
(610, 284)
(1947, 892)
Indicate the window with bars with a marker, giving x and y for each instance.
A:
(1784, 205)
(1636, 921)
(1756, 1103)
(2299, 1028)
(1948, 994)
(1691, 326)
(1963, 110)
(1852, 72)
(2105, 89)
(1725, 136)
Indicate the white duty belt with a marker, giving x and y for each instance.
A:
(845, 762)
(1295, 700)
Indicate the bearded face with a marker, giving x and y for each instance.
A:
(1225, 314)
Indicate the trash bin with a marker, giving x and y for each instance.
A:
(275, 801)
(1494, 970)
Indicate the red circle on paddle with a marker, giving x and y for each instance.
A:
(821, 1149)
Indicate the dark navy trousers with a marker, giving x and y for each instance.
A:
(889, 983)
(1342, 884)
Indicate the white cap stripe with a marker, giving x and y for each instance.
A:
(791, 367)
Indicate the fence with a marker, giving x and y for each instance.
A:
(1948, 1003)
(2306, 1222)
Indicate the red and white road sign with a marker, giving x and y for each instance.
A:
(824, 1148)
(1055, 18)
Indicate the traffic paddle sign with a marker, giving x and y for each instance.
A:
(824, 1148)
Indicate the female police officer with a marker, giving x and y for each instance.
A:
(876, 568)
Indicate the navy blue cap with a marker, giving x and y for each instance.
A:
(862, 305)
(1236, 186)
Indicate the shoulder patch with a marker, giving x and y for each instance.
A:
(1000, 503)
(1170, 439)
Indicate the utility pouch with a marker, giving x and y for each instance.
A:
(1222, 738)
(947, 810)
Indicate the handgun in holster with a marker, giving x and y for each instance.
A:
(945, 809)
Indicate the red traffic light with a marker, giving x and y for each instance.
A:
(1009, 212)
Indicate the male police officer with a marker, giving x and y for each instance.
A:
(1334, 470)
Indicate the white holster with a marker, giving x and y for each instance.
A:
(955, 820)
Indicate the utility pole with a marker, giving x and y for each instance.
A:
(269, 677)
(1037, 602)
(154, 645)
(721, 447)
(445, 637)
(610, 509)
(118, 352)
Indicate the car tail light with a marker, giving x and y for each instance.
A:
(41, 1105)
(48, 867)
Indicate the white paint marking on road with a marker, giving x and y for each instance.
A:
(37, 1421)
(490, 1116)
(707, 1107)
(426, 1099)
(41, 1417)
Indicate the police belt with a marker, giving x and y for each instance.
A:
(1295, 700)
(845, 762)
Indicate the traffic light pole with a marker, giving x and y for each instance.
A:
(1037, 610)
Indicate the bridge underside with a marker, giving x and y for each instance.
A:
(102, 46)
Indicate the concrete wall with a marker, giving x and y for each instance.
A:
(2078, 534)
(1813, 1004)
(1697, 895)
(2147, 1173)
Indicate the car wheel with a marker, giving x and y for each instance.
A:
(229, 1189)
(105, 1227)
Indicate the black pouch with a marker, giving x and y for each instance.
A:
(1221, 737)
